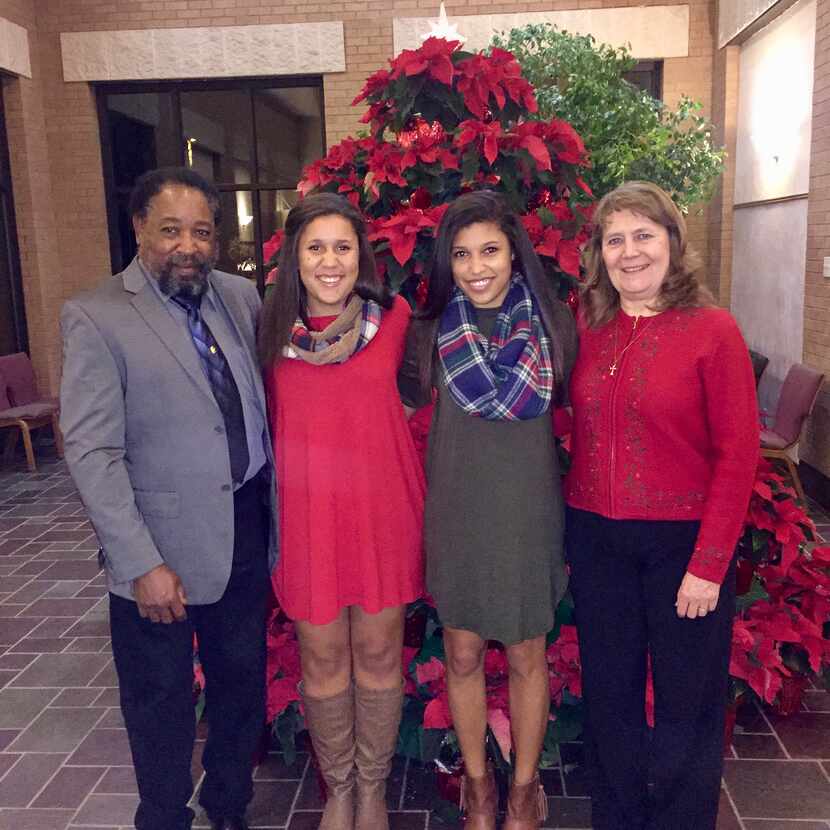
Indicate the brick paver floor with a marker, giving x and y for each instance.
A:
(64, 758)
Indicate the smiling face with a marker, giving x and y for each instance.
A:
(636, 253)
(328, 256)
(482, 263)
(177, 239)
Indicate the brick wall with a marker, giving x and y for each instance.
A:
(816, 449)
(53, 125)
(725, 117)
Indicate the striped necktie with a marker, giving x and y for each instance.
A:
(221, 381)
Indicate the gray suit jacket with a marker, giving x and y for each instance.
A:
(144, 436)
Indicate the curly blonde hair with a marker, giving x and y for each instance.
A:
(681, 287)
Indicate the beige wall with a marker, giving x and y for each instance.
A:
(772, 162)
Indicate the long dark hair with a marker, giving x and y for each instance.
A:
(286, 300)
(468, 209)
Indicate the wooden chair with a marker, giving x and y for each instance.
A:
(22, 407)
(795, 403)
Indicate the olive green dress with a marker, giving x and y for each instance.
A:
(493, 520)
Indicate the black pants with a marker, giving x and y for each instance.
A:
(624, 579)
(155, 674)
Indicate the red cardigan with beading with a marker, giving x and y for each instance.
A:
(673, 432)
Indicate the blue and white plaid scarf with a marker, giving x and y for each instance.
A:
(509, 378)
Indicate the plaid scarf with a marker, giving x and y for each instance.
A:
(354, 327)
(511, 377)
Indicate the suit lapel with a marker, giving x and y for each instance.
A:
(175, 337)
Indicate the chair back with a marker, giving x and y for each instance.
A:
(798, 395)
(759, 363)
(20, 378)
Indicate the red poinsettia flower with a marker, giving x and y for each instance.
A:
(315, 175)
(437, 713)
(378, 114)
(402, 231)
(561, 211)
(471, 131)
(384, 163)
(374, 83)
(568, 255)
(495, 663)
(270, 248)
(519, 89)
(477, 83)
(533, 226)
(549, 243)
(351, 187)
(566, 141)
(564, 666)
(430, 672)
(498, 74)
(756, 659)
(342, 154)
(433, 58)
(529, 137)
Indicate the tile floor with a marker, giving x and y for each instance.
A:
(64, 758)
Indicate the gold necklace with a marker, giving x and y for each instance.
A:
(634, 335)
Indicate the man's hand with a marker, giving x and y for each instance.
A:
(160, 595)
(696, 597)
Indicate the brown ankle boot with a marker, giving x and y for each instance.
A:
(330, 723)
(527, 806)
(377, 718)
(479, 801)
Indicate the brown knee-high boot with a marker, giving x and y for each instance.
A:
(377, 718)
(479, 801)
(330, 723)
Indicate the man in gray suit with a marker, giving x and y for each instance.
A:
(163, 412)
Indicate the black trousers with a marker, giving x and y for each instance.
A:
(155, 674)
(624, 579)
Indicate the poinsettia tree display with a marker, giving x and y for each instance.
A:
(442, 121)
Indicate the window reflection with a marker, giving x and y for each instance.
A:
(218, 133)
(289, 133)
(237, 243)
(252, 140)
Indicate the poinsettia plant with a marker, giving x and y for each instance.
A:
(780, 637)
(443, 121)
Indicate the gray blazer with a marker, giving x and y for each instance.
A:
(144, 436)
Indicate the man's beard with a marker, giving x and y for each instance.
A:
(191, 286)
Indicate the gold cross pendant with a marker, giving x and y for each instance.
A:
(612, 368)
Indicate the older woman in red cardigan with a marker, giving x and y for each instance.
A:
(664, 452)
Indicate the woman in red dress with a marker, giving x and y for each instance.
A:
(351, 494)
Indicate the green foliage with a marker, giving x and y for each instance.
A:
(628, 134)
